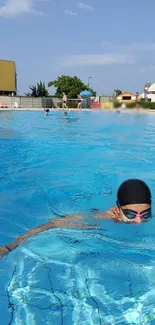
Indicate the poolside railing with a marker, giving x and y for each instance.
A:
(24, 102)
(15, 102)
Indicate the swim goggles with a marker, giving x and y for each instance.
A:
(131, 214)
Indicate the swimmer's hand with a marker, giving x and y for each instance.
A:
(3, 251)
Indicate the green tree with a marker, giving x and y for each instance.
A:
(38, 91)
(117, 92)
(72, 86)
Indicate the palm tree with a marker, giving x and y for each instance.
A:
(38, 91)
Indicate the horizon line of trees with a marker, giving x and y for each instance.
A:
(72, 86)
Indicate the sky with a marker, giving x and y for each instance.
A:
(110, 41)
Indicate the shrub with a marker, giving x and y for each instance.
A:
(145, 105)
(72, 104)
(117, 104)
(59, 104)
(149, 105)
(131, 105)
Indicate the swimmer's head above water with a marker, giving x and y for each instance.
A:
(133, 202)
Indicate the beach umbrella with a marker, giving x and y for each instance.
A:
(85, 93)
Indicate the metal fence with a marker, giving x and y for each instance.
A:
(27, 102)
(24, 102)
(106, 99)
(73, 103)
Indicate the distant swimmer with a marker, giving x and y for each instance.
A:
(65, 113)
(46, 111)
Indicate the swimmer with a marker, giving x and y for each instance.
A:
(65, 113)
(46, 111)
(133, 203)
(133, 206)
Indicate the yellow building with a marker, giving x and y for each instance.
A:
(8, 82)
(126, 98)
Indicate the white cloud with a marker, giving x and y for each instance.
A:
(16, 7)
(97, 59)
(70, 13)
(83, 5)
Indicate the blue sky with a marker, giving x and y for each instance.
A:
(111, 41)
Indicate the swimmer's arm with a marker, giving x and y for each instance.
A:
(6, 249)
(56, 223)
(109, 214)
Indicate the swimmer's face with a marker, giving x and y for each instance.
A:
(139, 212)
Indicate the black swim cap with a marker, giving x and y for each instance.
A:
(133, 191)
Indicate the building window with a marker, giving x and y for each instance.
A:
(126, 97)
(151, 92)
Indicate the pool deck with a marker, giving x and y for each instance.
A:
(142, 111)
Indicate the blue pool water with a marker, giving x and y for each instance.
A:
(55, 165)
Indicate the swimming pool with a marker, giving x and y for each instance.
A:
(53, 165)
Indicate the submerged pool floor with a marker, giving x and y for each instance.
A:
(55, 165)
